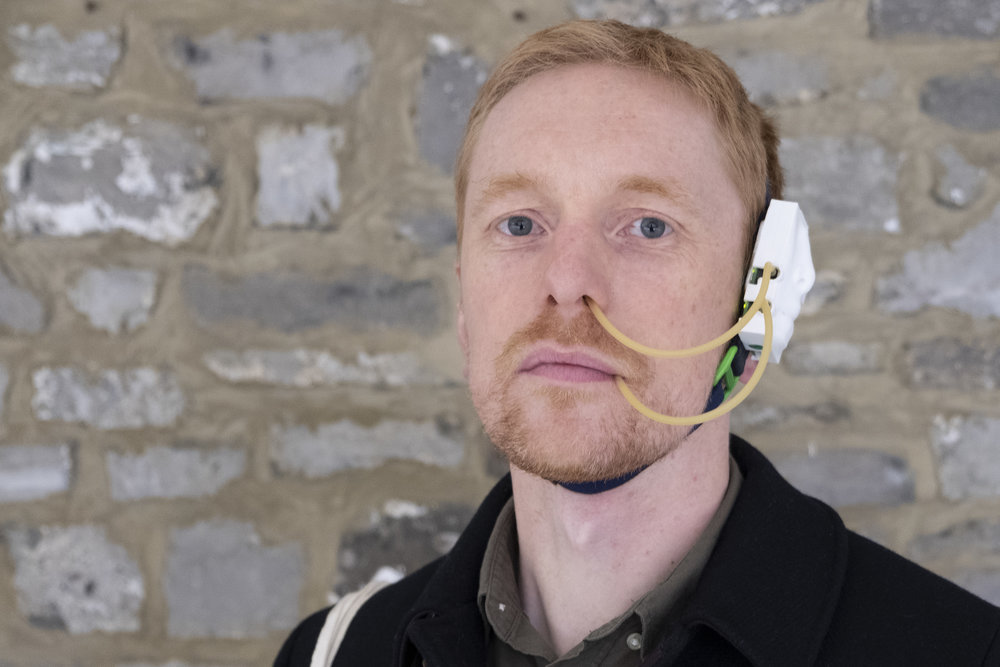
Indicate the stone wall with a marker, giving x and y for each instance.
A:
(230, 387)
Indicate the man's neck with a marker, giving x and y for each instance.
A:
(585, 559)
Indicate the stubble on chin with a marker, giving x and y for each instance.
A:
(565, 448)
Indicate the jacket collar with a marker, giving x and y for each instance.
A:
(769, 588)
(772, 583)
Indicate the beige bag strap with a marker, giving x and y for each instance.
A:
(337, 621)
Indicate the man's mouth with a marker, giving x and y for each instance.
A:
(566, 366)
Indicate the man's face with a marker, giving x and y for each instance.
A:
(611, 183)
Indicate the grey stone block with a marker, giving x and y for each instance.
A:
(842, 477)
(115, 300)
(298, 176)
(662, 13)
(835, 357)
(451, 80)
(20, 310)
(33, 472)
(948, 363)
(967, 450)
(133, 398)
(964, 18)
(751, 415)
(963, 275)
(310, 368)
(828, 288)
(957, 183)
(150, 178)
(403, 537)
(362, 300)
(880, 87)
(220, 581)
(173, 472)
(326, 65)
(344, 445)
(985, 583)
(74, 579)
(428, 231)
(842, 182)
(976, 537)
(968, 101)
(775, 77)
(45, 58)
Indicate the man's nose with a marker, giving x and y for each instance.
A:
(578, 264)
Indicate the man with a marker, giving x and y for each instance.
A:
(623, 166)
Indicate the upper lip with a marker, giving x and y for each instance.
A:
(547, 355)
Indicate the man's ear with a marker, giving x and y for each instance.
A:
(748, 368)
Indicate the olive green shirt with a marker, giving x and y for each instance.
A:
(621, 642)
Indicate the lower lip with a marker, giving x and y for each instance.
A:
(569, 373)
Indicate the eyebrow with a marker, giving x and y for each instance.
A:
(668, 190)
(501, 186)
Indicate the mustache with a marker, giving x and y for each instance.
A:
(583, 330)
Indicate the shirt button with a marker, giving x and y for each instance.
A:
(634, 641)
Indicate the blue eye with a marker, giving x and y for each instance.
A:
(651, 228)
(517, 225)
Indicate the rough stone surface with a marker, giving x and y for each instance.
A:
(662, 13)
(132, 398)
(4, 379)
(968, 102)
(451, 80)
(298, 176)
(843, 182)
(344, 445)
(973, 537)
(776, 77)
(326, 65)
(880, 87)
(173, 472)
(849, 477)
(949, 363)
(116, 299)
(363, 300)
(429, 231)
(20, 310)
(32, 472)
(957, 183)
(220, 581)
(45, 58)
(964, 275)
(150, 178)
(403, 536)
(978, 19)
(828, 288)
(985, 583)
(310, 368)
(968, 456)
(74, 579)
(169, 663)
(834, 357)
(751, 415)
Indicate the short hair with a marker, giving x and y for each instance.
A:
(748, 136)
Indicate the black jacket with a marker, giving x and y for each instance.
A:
(786, 585)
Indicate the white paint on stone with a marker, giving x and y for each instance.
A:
(74, 578)
(46, 58)
(326, 65)
(116, 299)
(968, 456)
(33, 472)
(149, 178)
(399, 509)
(133, 398)
(835, 357)
(310, 368)
(20, 310)
(220, 581)
(166, 472)
(957, 183)
(298, 176)
(344, 445)
(964, 275)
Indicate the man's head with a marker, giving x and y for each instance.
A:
(598, 177)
